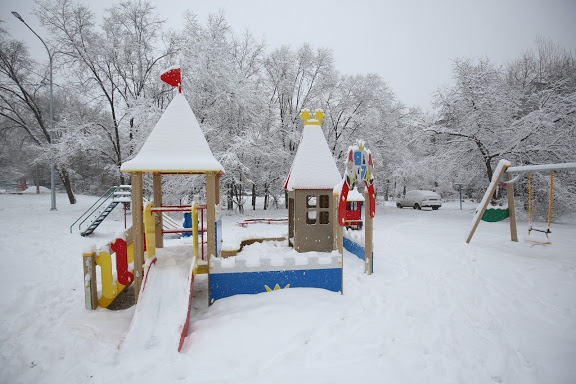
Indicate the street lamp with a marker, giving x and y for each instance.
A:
(52, 177)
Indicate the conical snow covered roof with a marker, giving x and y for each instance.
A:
(313, 166)
(175, 145)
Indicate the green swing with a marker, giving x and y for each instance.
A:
(495, 214)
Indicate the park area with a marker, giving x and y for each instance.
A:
(435, 309)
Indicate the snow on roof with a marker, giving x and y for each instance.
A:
(176, 144)
(354, 195)
(313, 166)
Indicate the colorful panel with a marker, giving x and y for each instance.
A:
(229, 284)
(355, 248)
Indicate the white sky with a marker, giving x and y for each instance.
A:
(410, 43)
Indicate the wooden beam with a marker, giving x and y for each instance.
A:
(157, 193)
(290, 218)
(137, 232)
(210, 222)
(217, 199)
(90, 284)
(511, 209)
(541, 167)
(211, 214)
(336, 228)
(368, 235)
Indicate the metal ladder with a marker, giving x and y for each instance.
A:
(109, 200)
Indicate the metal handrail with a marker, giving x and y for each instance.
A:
(105, 196)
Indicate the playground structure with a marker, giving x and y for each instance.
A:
(112, 283)
(360, 168)
(504, 167)
(310, 189)
(312, 256)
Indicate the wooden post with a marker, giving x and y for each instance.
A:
(137, 232)
(290, 196)
(211, 214)
(90, 283)
(157, 191)
(195, 229)
(149, 230)
(368, 235)
(511, 209)
(217, 187)
(336, 229)
(210, 221)
(338, 243)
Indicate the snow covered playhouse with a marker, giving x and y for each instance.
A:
(311, 257)
(310, 186)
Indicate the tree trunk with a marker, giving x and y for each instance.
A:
(36, 179)
(239, 198)
(122, 179)
(66, 182)
(265, 196)
(387, 190)
(230, 196)
(253, 196)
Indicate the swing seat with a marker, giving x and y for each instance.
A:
(546, 231)
(539, 240)
(495, 214)
(533, 241)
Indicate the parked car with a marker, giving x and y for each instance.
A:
(420, 199)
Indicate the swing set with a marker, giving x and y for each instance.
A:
(493, 214)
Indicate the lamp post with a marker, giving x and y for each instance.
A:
(52, 171)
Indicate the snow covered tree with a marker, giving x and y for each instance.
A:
(111, 67)
(524, 113)
(363, 107)
(296, 80)
(223, 83)
(545, 81)
(25, 104)
(475, 126)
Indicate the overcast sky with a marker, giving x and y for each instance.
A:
(410, 43)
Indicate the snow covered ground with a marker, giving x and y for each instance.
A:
(436, 310)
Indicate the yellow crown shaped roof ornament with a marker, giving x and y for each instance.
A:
(305, 115)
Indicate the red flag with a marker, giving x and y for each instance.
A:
(172, 77)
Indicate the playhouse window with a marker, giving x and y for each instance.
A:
(324, 217)
(324, 201)
(311, 217)
(311, 201)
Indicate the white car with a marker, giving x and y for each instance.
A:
(420, 199)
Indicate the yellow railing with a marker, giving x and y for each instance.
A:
(111, 284)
